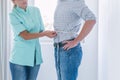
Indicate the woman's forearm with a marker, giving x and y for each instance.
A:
(27, 36)
(85, 30)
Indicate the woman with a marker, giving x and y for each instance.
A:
(27, 26)
(67, 21)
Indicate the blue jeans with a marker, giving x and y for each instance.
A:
(67, 62)
(24, 72)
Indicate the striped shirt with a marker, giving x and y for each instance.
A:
(67, 18)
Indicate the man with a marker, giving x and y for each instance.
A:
(67, 21)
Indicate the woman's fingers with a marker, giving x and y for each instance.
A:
(53, 34)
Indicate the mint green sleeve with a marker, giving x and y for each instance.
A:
(17, 26)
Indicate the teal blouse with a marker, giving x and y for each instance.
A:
(26, 52)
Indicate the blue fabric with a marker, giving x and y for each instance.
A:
(67, 62)
(20, 72)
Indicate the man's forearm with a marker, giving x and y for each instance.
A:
(85, 30)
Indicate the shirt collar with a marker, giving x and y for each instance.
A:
(22, 10)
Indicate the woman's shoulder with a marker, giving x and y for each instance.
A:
(12, 14)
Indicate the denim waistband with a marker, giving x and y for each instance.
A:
(61, 44)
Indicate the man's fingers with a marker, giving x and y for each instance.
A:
(67, 46)
(65, 42)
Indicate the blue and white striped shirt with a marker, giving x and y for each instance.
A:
(67, 18)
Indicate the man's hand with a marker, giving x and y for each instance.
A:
(69, 44)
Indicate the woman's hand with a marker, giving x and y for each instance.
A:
(69, 44)
(50, 34)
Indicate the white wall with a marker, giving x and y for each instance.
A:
(4, 39)
(88, 69)
(47, 70)
(89, 66)
(109, 40)
(0, 41)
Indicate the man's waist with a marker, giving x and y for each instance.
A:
(61, 44)
(66, 32)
